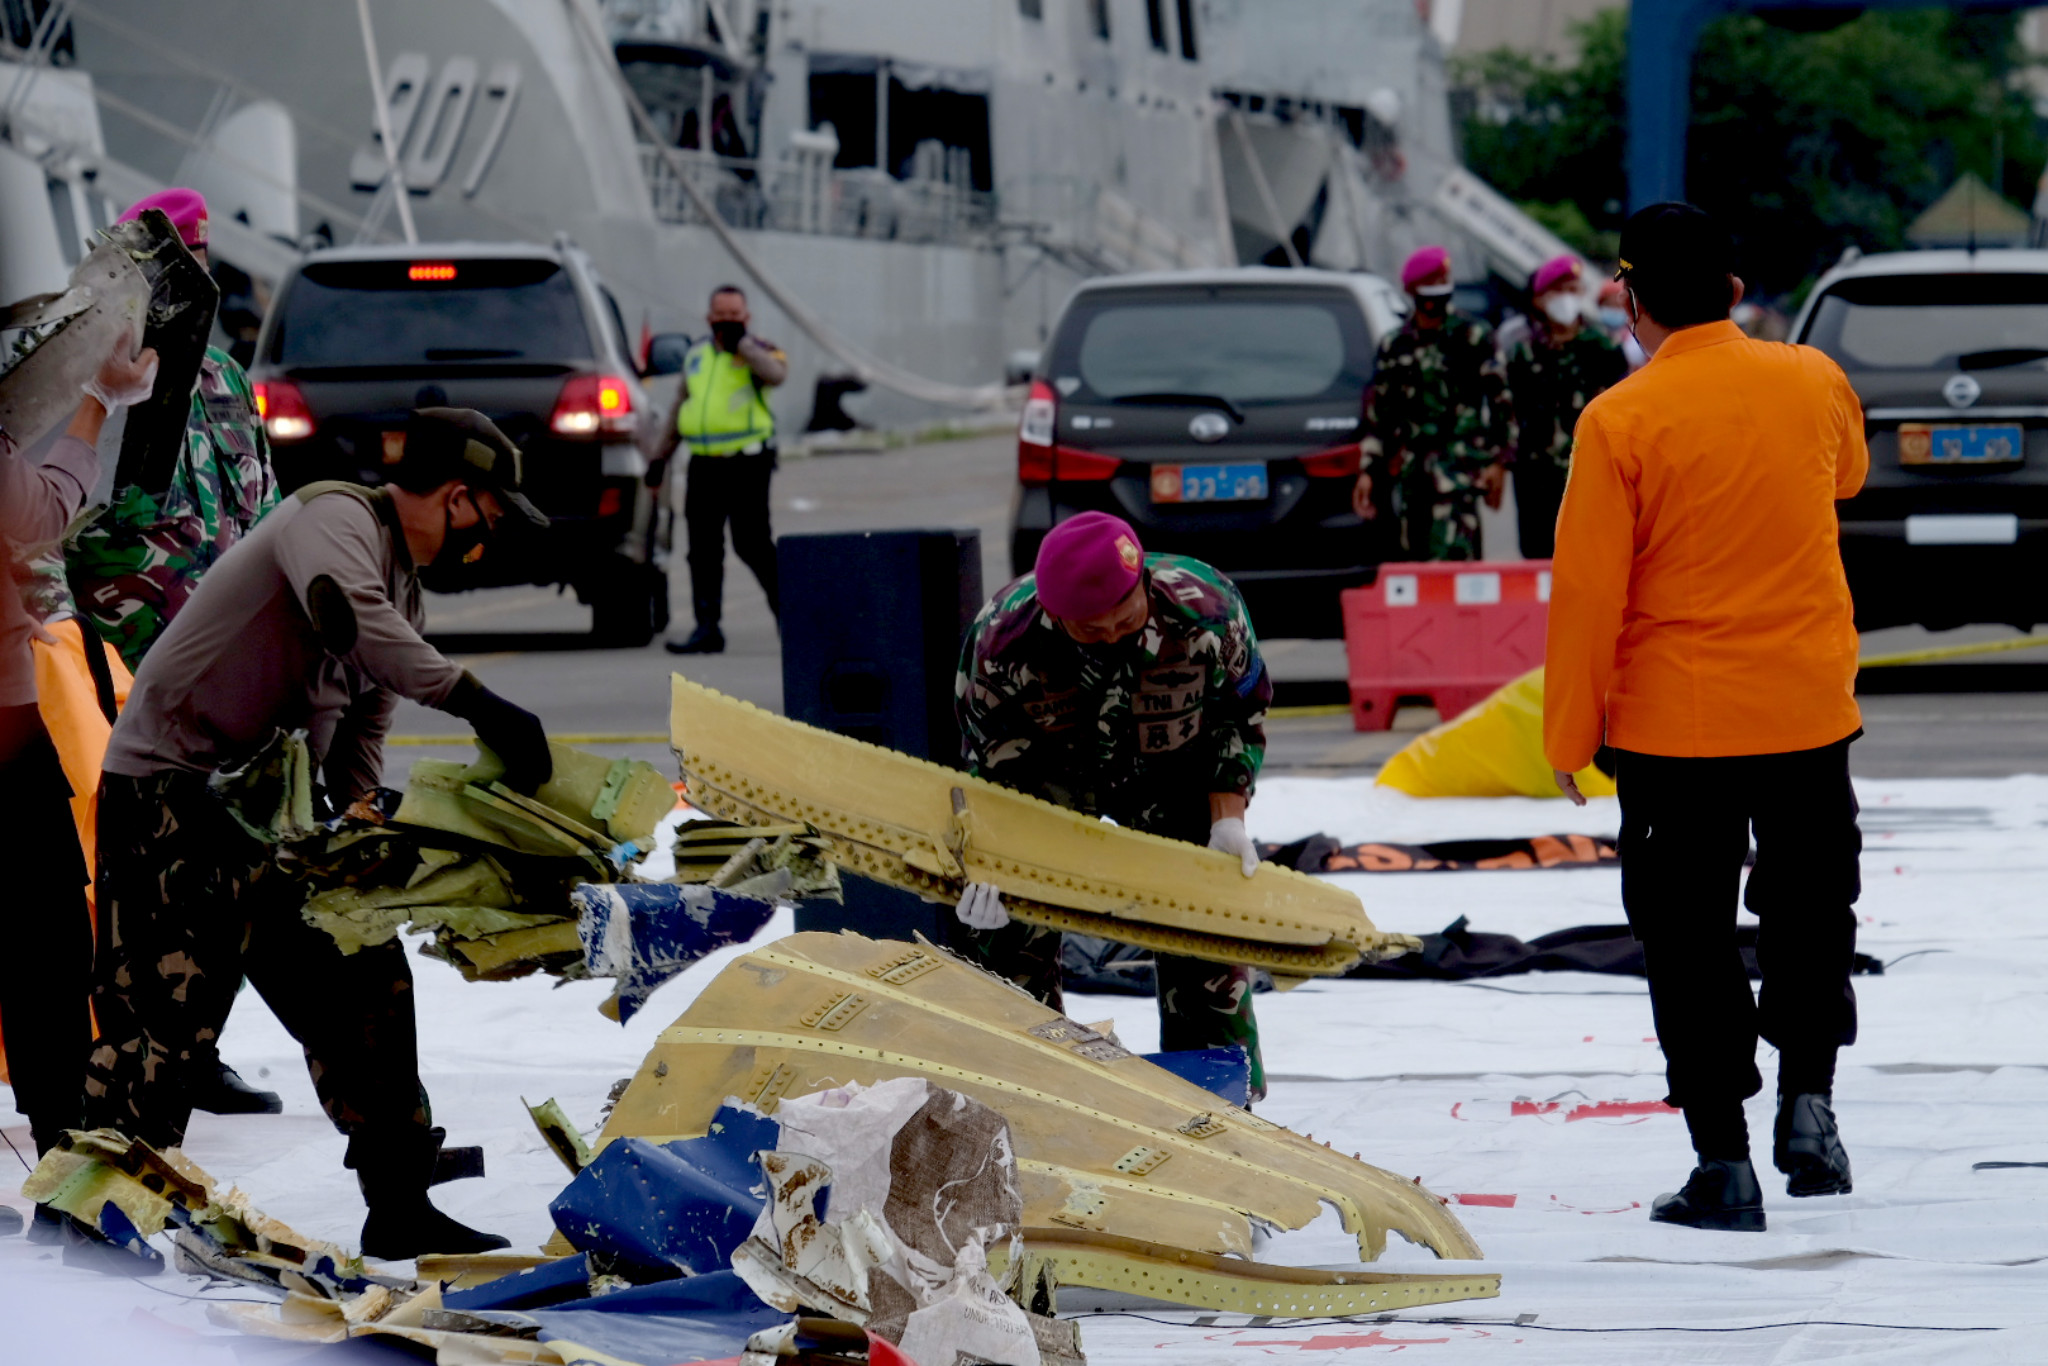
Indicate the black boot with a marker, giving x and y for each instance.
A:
(1719, 1195)
(1808, 1147)
(394, 1170)
(220, 1090)
(705, 640)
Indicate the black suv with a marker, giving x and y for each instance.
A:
(527, 335)
(1217, 412)
(1948, 351)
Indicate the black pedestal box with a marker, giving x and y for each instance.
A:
(872, 623)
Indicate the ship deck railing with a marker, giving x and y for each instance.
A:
(799, 195)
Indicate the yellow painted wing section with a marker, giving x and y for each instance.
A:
(930, 829)
(1106, 1142)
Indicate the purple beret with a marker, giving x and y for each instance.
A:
(185, 208)
(1557, 270)
(1087, 565)
(1426, 262)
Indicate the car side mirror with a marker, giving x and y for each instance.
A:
(665, 353)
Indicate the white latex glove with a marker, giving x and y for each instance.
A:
(1229, 836)
(981, 907)
(123, 381)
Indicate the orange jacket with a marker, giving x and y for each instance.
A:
(1698, 605)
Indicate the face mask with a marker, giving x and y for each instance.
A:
(728, 335)
(1563, 310)
(1613, 319)
(461, 548)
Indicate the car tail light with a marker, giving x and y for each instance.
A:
(591, 405)
(283, 411)
(1069, 463)
(430, 270)
(1338, 462)
(1035, 432)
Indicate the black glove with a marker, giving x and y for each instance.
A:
(513, 733)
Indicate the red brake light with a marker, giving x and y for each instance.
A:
(1035, 432)
(593, 405)
(282, 410)
(430, 270)
(1069, 463)
(1338, 462)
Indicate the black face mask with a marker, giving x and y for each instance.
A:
(1432, 306)
(454, 568)
(728, 335)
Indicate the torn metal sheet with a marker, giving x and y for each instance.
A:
(644, 934)
(692, 1319)
(91, 1170)
(723, 854)
(509, 885)
(931, 830)
(668, 1209)
(1106, 1142)
(51, 344)
(591, 806)
(560, 1135)
(1226, 1072)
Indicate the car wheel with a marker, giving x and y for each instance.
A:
(629, 607)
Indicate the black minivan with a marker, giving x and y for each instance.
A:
(1948, 352)
(1218, 413)
(527, 335)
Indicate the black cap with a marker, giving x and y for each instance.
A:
(1673, 240)
(461, 443)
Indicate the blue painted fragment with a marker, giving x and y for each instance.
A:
(639, 1325)
(120, 1230)
(534, 1288)
(669, 1209)
(643, 934)
(1225, 1071)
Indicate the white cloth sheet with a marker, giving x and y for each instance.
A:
(1536, 1088)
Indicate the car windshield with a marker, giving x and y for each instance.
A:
(378, 313)
(1243, 346)
(1933, 322)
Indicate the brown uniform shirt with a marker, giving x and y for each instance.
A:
(246, 656)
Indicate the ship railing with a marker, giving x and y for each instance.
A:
(798, 194)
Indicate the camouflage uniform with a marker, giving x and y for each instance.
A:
(1552, 382)
(187, 891)
(131, 569)
(1436, 417)
(1141, 731)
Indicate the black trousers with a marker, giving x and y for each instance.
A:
(1685, 827)
(1539, 491)
(48, 974)
(189, 903)
(718, 489)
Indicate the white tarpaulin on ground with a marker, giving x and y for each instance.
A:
(1529, 1101)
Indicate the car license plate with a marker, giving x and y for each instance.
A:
(1998, 528)
(1208, 483)
(1923, 444)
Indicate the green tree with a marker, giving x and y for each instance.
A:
(1804, 142)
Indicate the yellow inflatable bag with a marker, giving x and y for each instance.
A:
(1494, 749)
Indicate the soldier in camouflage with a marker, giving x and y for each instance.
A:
(1149, 710)
(1553, 372)
(1438, 424)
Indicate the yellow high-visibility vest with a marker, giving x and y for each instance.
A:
(727, 411)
